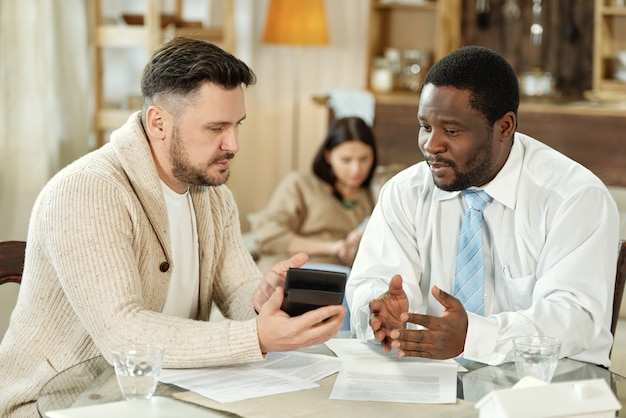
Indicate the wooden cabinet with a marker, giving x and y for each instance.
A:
(144, 31)
(575, 129)
(432, 27)
(609, 76)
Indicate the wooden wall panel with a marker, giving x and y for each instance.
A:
(395, 128)
(566, 48)
(593, 137)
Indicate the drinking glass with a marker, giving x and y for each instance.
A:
(536, 356)
(137, 367)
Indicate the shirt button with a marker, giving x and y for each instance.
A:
(165, 266)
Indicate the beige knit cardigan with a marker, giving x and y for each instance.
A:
(97, 268)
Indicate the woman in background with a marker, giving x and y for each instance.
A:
(322, 213)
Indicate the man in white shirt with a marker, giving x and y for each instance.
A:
(549, 238)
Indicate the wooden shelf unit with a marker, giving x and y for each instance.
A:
(150, 35)
(609, 38)
(430, 25)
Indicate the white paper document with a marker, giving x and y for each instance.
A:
(279, 373)
(370, 374)
(354, 349)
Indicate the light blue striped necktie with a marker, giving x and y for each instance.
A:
(469, 285)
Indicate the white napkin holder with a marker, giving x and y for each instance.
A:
(532, 398)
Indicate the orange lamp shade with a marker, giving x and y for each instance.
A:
(296, 22)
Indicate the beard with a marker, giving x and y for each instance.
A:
(481, 165)
(185, 172)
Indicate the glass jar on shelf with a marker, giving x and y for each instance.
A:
(394, 56)
(414, 65)
(381, 75)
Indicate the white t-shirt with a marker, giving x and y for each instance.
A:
(183, 292)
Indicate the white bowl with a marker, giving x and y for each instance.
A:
(536, 83)
(620, 58)
(620, 75)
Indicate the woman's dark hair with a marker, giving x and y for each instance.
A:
(181, 66)
(344, 130)
(488, 77)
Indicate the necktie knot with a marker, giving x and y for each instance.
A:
(476, 199)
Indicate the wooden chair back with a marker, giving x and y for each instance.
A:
(11, 261)
(619, 285)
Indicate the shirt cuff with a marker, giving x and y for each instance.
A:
(361, 324)
(480, 341)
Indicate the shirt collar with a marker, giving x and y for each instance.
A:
(503, 187)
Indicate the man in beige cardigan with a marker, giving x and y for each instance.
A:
(135, 241)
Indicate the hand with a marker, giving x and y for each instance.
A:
(354, 237)
(386, 311)
(444, 336)
(346, 248)
(274, 278)
(341, 249)
(278, 331)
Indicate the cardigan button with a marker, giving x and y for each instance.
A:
(165, 266)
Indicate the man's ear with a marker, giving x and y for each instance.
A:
(155, 118)
(506, 126)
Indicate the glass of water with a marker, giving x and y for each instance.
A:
(536, 356)
(137, 367)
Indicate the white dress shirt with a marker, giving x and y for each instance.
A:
(550, 242)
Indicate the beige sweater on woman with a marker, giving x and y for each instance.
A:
(98, 264)
(304, 205)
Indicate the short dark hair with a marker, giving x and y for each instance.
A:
(182, 65)
(489, 78)
(344, 130)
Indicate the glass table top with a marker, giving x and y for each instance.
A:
(94, 382)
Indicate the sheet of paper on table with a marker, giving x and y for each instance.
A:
(369, 374)
(278, 373)
(354, 349)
